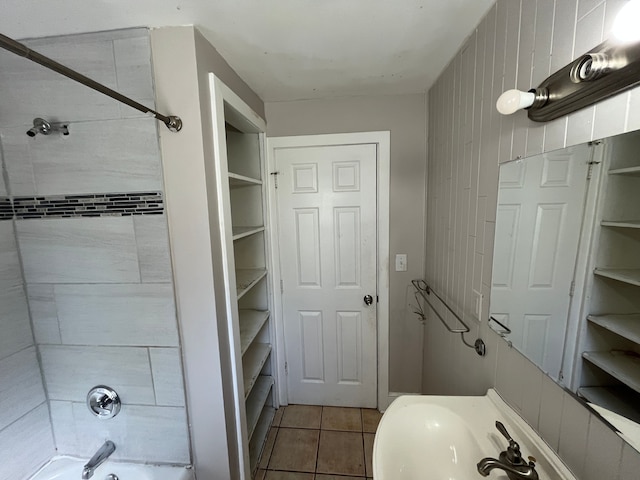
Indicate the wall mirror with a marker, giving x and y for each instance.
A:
(566, 271)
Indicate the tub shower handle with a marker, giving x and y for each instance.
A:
(103, 401)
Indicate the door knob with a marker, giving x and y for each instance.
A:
(368, 299)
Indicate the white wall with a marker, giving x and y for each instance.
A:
(182, 61)
(518, 44)
(99, 288)
(405, 117)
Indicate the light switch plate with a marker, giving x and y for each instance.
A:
(401, 262)
(478, 306)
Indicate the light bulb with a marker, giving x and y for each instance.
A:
(625, 26)
(513, 100)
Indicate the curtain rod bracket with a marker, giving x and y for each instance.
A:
(172, 122)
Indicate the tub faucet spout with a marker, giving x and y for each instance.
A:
(100, 456)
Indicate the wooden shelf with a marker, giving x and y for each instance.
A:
(256, 402)
(241, 232)
(246, 278)
(236, 180)
(625, 368)
(252, 363)
(251, 321)
(632, 171)
(621, 223)
(260, 435)
(627, 326)
(626, 275)
(620, 400)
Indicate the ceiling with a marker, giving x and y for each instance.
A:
(287, 49)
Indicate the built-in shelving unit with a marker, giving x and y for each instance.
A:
(241, 232)
(610, 374)
(236, 180)
(631, 171)
(253, 361)
(627, 326)
(244, 231)
(626, 275)
(616, 399)
(251, 322)
(623, 366)
(256, 401)
(247, 278)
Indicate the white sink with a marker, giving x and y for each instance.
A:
(443, 438)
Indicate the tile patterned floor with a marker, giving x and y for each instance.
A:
(308, 442)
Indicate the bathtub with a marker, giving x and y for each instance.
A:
(69, 468)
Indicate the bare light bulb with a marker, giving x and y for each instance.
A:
(513, 100)
(625, 26)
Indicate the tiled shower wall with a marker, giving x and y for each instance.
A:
(517, 45)
(26, 437)
(92, 235)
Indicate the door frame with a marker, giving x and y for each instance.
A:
(382, 139)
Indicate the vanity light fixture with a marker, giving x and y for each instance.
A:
(608, 69)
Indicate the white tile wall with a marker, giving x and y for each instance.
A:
(30, 90)
(105, 314)
(603, 453)
(100, 290)
(44, 315)
(574, 431)
(10, 274)
(79, 250)
(167, 376)
(133, 72)
(14, 315)
(3, 185)
(630, 463)
(551, 398)
(20, 386)
(153, 248)
(120, 61)
(550, 33)
(96, 157)
(26, 445)
(155, 434)
(70, 372)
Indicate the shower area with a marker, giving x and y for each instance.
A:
(86, 292)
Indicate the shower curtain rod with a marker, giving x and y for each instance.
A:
(172, 122)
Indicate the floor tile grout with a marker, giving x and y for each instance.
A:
(269, 467)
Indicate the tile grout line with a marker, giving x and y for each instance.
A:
(364, 447)
(315, 470)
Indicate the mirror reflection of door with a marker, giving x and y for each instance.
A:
(538, 224)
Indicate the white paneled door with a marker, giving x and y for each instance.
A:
(326, 200)
(538, 224)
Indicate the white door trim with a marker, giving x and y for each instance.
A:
(383, 142)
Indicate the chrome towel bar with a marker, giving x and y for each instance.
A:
(423, 290)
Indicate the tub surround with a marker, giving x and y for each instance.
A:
(92, 234)
(26, 436)
(68, 468)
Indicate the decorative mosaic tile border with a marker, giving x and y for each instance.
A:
(87, 205)
(6, 210)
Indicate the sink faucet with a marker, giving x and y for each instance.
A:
(100, 456)
(510, 461)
